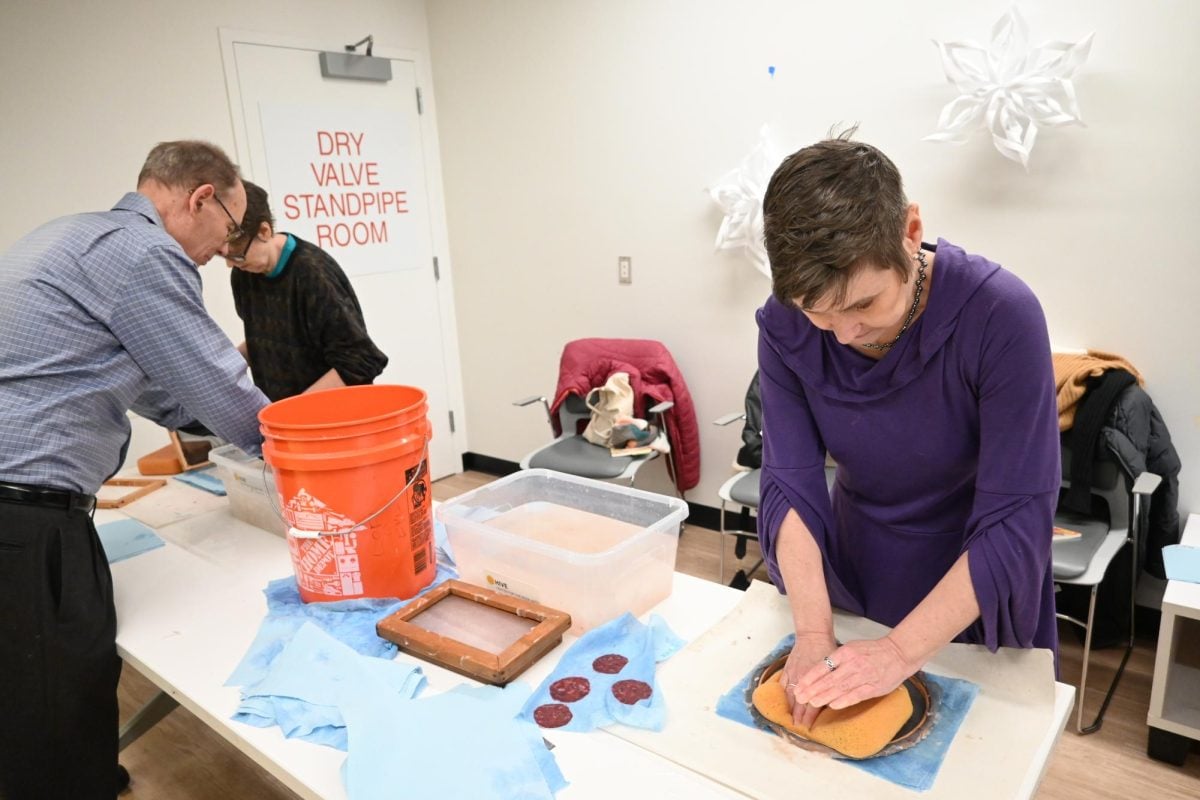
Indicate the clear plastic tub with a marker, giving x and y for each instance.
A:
(592, 549)
(247, 486)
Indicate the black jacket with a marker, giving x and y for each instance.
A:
(1136, 436)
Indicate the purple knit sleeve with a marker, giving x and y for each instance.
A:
(1010, 527)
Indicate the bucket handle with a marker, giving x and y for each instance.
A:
(300, 533)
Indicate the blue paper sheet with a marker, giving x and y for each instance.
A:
(351, 622)
(914, 768)
(463, 743)
(642, 645)
(126, 538)
(467, 743)
(304, 688)
(441, 543)
(205, 479)
(1182, 562)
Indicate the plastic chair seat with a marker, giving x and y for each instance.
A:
(1072, 557)
(577, 456)
(745, 489)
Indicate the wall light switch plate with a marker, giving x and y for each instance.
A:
(624, 269)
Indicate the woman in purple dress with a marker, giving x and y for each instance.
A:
(925, 373)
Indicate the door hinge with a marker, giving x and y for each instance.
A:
(452, 422)
(437, 275)
(420, 105)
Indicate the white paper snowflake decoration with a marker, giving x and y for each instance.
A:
(739, 193)
(1009, 87)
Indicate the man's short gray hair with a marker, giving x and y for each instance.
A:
(188, 164)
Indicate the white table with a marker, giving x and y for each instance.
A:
(187, 612)
(1174, 716)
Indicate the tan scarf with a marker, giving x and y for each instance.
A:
(1071, 372)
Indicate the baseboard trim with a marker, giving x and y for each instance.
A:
(709, 517)
(489, 465)
(699, 515)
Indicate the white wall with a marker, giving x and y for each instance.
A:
(88, 88)
(575, 132)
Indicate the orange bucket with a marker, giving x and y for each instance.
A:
(351, 468)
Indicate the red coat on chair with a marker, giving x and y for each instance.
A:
(587, 363)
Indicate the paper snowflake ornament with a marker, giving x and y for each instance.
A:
(1009, 88)
(739, 193)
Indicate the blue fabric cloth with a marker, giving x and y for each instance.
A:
(205, 479)
(351, 622)
(914, 768)
(467, 742)
(464, 743)
(643, 645)
(126, 538)
(441, 543)
(1182, 563)
(99, 314)
(304, 688)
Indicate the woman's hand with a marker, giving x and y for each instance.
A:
(809, 649)
(864, 669)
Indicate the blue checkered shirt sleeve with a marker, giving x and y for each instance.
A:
(101, 313)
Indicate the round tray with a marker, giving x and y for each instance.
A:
(924, 696)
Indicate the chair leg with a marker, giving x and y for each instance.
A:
(1112, 688)
(754, 568)
(721, 541)
(671, 473)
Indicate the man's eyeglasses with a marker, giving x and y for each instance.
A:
(236, 232)
(241, 257)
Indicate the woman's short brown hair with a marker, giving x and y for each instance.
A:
(830, 209)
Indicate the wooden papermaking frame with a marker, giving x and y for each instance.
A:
(494, 668)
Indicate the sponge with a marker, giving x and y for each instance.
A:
(860, 731)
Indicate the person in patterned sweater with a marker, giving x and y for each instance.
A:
(304, 326)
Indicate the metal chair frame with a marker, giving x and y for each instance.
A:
(1124, 502)
(573, 410)
(725, 493)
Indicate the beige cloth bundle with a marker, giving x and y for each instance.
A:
(610, 404)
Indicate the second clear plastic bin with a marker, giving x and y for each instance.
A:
(592, 549)
(247, 488)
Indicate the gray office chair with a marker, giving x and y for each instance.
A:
(1115, 520)
(573, 454)
(740, 490)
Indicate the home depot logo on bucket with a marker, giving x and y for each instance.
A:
(352, 475)
(327, 565)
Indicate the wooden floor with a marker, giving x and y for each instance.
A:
(183, 759)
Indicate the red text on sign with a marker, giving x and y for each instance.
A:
(328, 173)
(339, 143)
(342, 235)
(344, 204)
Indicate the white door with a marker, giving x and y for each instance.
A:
(364, 149)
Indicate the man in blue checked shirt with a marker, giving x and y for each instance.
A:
(99, 314)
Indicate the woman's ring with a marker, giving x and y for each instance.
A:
(830, 664)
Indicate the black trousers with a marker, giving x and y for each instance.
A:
(58, 657)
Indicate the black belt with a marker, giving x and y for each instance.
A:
(46, 497)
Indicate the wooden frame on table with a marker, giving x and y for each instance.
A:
(180, 455)
(404, 629)
(145, 487)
